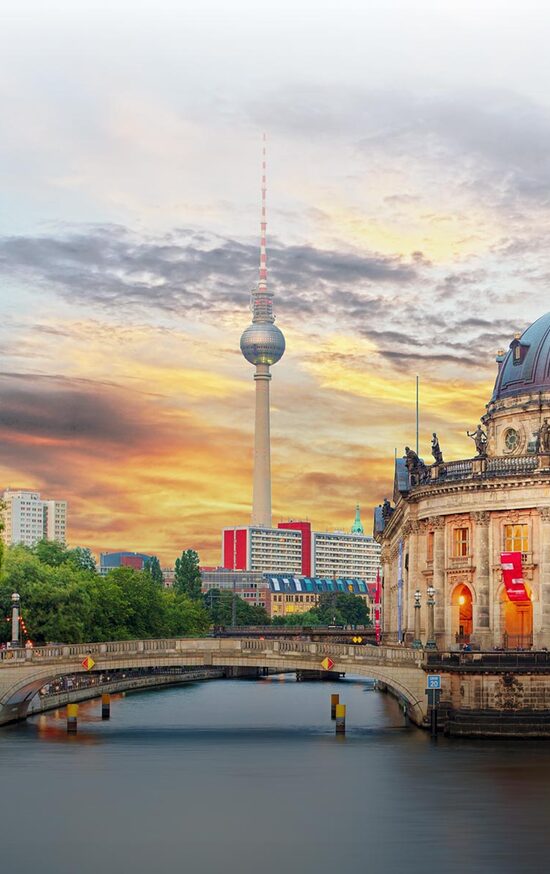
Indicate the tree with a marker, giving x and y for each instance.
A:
(153, 568)
(219, 603)
(51, 552)
(339, 608)
(81, 557)
(187, 579)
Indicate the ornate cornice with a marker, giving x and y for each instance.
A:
(481, 517)
(544, 513)
(437, 522)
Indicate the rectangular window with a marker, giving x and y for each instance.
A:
(430, 546)
(516, 538)
(461, 546)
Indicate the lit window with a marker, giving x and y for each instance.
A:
(461, 542)
(516, 538)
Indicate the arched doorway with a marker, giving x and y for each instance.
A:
(516, 622)
(462, 613)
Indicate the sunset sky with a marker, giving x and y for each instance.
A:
(409, 205)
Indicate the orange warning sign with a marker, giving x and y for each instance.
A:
(327, 664)
(88, 663)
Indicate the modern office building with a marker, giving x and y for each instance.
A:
(293, 548)
(28, 518)
(110, 560)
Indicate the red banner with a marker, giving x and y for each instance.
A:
(377, 602)
(512, 574)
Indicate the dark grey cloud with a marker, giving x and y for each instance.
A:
(109, 266)
(61, 410)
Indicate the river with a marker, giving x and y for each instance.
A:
(248, 776)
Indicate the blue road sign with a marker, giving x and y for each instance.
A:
(434, 681)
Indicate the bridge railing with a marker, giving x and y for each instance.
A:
(231, 646)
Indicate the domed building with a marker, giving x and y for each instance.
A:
(466, 544)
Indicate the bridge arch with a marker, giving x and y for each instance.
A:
(399, 669)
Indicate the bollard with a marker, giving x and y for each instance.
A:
(340, 719)
(105, 706)
(334, 700)
(72, 718)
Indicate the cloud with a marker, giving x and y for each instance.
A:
(484, 138)
(183, 272)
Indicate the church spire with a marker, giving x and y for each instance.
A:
(357, 527)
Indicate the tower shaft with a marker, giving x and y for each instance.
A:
(261, 493)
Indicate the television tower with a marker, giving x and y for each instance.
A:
(263, 344)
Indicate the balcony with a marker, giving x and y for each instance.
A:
(492, 468)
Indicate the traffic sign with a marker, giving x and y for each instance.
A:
(433, 681)
(88, 663)
(357, 639)
(327, 664)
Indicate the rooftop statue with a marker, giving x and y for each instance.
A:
(436, 449)
(480, 439)
(418, 472)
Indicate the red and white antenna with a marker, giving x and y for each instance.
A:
(262, 307)
(263, 222)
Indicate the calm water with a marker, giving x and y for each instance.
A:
(249, 777)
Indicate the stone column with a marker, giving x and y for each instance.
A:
(412, 574)
(543, 637)
(438, 582)
(482, 561)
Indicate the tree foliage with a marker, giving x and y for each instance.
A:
(219, 603)
(63, 601)
(153, 568)
(187, 577)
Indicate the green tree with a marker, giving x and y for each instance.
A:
(339, 608)
(81, 557)
(183, 616)
(187, 578)
(51, 552)
(219, 603)
(153, 568)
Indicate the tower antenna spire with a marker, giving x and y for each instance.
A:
(263, 220)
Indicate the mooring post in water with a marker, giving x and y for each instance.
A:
(334, 700)
(340, 719)
(105, 706)
(433, 721)
(72, 718)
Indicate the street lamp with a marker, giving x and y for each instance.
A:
(430, 642)
(15, 639)
(417, 643)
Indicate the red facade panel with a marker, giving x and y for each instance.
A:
(305, 529)
(241, 550)
(134, 561)
(229, 549)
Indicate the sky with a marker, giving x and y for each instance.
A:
(409, 207)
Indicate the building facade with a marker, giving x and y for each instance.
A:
(454, 524)
(28, 518)
(293, 548)
(110, 560)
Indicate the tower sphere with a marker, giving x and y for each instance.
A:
(262, 343)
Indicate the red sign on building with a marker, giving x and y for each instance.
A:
(512, 574)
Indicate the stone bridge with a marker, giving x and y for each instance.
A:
(23, 672)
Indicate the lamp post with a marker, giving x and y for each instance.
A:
(430, 642)
(417, 643)
(15, 630)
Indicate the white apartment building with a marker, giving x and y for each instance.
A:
(338, 554)
(28, 519)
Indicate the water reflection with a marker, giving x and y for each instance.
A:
(249, 777)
